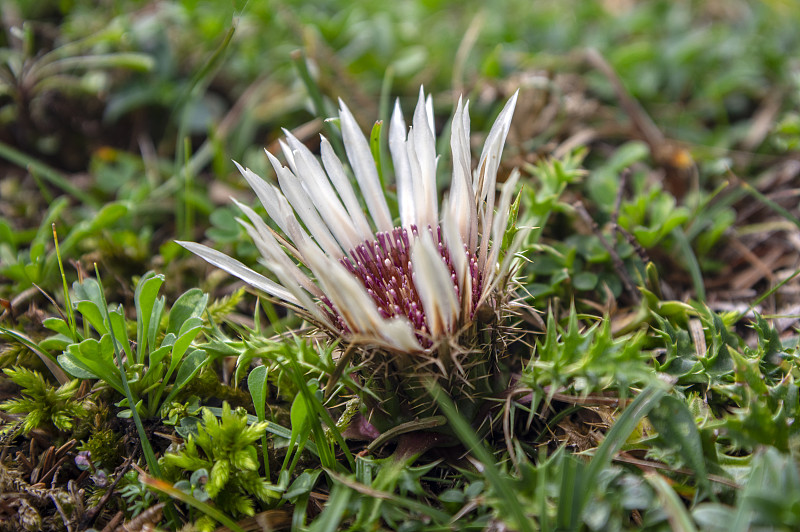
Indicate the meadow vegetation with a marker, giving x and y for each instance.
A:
(635, 371)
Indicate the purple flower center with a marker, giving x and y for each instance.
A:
(384, 268)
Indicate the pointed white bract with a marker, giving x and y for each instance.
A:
(403, 288)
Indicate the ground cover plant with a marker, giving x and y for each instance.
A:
(555, 289)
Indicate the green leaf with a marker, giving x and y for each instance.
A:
(188, 333)
(193, 363)
(584, 281)
(713, 517)
(257, 384)
(120, 328)
(303, 484)
(603, 183)
(72, 365)
(58, 325)
(55, 343)
(88, 290)
(95, 358)
(92, 314)
(299, 417)
(676, 427)
(144, 298)
(155, 320)
(154, 365)
(190, 304)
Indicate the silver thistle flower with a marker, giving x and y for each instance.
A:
(404, 288)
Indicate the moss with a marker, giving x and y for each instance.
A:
(106, 448)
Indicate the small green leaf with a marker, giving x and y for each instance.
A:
(257, 384)
(72, 365)
(303, 484)
(120, 328)
(191, 304)
(144, 298)
(584, 281)
(193, 363)
(676, 427)
(155, 320)
(58, 325)
(88, 290)
(92, 314)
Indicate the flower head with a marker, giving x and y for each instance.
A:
(356, 274)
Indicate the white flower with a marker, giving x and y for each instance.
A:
(403, 287)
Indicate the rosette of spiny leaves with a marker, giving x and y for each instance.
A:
(43, 403)
(416, 294)
(225, 447)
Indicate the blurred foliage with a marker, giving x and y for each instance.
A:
(657, 389)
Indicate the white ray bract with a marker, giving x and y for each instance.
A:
(271, 251)
(363, 165)
(486, 177)
(333, 166)
(457, 248)
(288, 279)
(237, 269)
(434, 286)
(298, 198)
(402, 167)
(319, 190)
(423, 142)
(462, 195)
(270, 197)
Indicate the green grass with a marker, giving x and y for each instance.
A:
(653, 386)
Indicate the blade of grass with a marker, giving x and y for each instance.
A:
(170, 490)
(502, 485)
(403, 428)
(48, 359)
(384, 108)
(127, 60)
(679, 519)
(147, 449)
(771, 204)
(67, 302)
(333, 135)
(53, 176)
(691, 263)
(618, 435)
(193, 90)
(371, 492)
(186, 222)
(331, 517)
(766, 294)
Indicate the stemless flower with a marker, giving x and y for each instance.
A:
(405, 288)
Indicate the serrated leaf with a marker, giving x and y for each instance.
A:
(676, 427)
